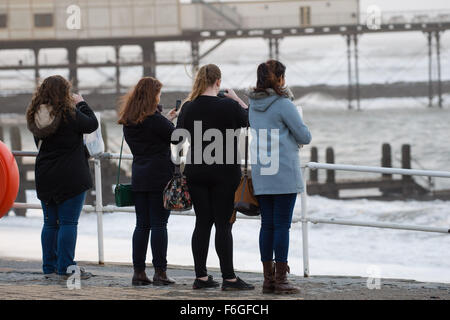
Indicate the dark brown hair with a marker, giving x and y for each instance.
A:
(54, 91)
(140, 102)
(269, 75)
(206, 77)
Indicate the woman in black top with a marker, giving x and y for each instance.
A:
(148, 134)
(58, 121)
(213, 182)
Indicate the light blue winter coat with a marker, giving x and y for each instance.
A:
(271, 111)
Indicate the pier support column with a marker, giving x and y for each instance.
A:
(36, 66)
(195, 53)
(349, 71)
(73, 66)
(149, 59)
(117, 50)
(438, 54)
(357, 88)
(274, 48)
(430, 69)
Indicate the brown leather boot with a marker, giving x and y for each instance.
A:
(161, 279)
(269, 277)
(282, 285)
(140, 278)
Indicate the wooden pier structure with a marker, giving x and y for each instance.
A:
(199, 21)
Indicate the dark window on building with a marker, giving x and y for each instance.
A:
(305, 16)
(42, 20)
(3, 20)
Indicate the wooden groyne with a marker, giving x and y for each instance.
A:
(390, 188)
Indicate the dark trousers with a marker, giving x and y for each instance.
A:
(213, 204)
(59, 234)
(150, 216)
(276, 219)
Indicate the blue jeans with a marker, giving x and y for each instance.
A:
(150, 215)
(276, 219)
(59, 234)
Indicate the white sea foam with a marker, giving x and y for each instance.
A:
(334, 250)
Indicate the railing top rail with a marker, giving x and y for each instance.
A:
(410, 172)
(310, 165)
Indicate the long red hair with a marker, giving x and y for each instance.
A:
(140, 102)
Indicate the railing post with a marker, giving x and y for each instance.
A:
(305, 229)
(99, 209)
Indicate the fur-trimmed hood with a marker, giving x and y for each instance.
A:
(261, 101)
(44, 123)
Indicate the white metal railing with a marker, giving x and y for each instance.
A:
(99, 209)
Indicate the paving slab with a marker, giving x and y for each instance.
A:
(23, 279)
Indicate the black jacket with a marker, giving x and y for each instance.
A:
(149, 142)
(214, 113)
(62, 169)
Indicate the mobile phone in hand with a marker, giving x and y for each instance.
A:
(178, 105)
(222, 93)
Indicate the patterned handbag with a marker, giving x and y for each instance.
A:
(176, 195)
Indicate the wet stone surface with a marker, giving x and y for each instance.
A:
(23, 279)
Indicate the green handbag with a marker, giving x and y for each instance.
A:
(123, 193)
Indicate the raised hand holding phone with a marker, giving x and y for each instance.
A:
(229, 93)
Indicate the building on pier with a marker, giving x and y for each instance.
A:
(71, 24)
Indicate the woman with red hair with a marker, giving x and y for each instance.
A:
(148, 134)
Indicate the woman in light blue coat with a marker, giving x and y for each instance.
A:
(278, 131)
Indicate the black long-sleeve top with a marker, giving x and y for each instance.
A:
(214, 113)
(149, 142)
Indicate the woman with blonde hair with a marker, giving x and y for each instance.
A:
(212, 184)
(148, 134)
(58, 119)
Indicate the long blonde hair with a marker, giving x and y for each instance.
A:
(206, 77)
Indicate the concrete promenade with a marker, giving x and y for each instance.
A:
(23, 279)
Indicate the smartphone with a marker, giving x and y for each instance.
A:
(178, 105)
(222, 93)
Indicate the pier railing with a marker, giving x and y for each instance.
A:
(304, 218)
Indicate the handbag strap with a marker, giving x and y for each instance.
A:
(246, 151)
(120, 160)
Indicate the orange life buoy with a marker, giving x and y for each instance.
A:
(9, 179)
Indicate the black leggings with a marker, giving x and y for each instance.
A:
(213, 204)
(150, 215)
